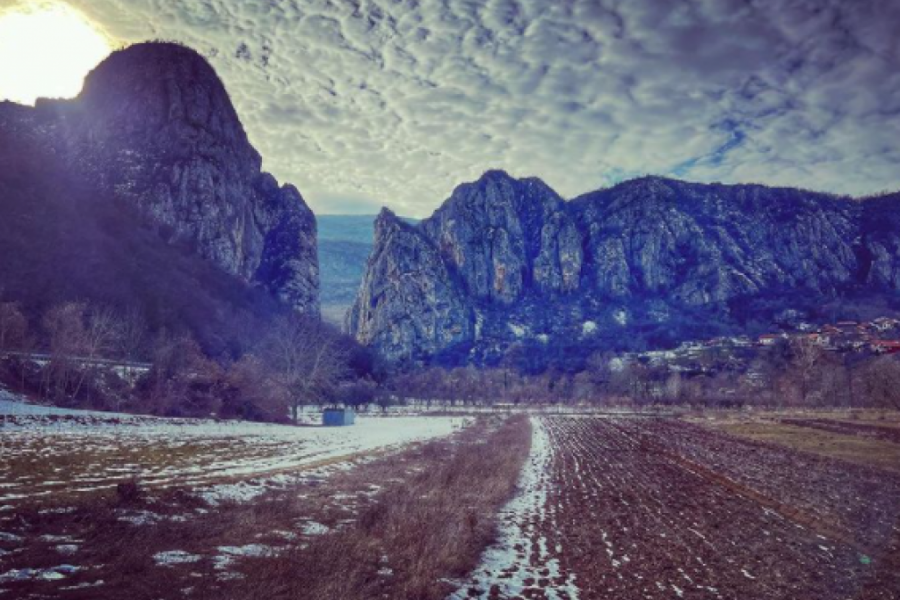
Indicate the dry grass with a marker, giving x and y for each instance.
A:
(850, 448)
(415, 538)
(397, 526)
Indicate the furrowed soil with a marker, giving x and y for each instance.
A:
(656, 508)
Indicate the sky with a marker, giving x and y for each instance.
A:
(365, 103)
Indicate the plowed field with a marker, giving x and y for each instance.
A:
(653, 508)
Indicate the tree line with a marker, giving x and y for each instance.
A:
(790, 373)
(296, 360)
(93, 356)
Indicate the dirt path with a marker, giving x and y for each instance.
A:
(638, 508)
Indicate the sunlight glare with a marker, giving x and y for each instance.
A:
(46, 49)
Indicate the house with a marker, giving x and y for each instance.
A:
(768, 339)
(338, 417)
(848, 326)
(886, 346)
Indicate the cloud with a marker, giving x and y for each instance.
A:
(368, 102)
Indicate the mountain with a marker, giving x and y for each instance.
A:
(345, 242)
(506, 264)
(145, 189)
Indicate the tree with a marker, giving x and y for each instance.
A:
(183, 380)
(249, 394)
(131, 342)
(881, 380)
(600, 367)
(101, 335)
(357, 393)
(306, 360)
(806, 361)
(65, 328)
(13, 327)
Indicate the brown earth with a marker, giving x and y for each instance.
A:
(655, 508)
(864, 450)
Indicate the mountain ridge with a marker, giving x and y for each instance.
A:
(647, 254)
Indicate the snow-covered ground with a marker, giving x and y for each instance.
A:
(520, 563)
(46, 450)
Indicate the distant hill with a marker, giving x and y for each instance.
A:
(345, 242)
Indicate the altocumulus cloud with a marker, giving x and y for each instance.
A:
(369, 102)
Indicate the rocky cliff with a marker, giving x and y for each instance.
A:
(507, 263)
(154, 128)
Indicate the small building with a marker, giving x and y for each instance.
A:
(338, 417)
(768, 339)
(886, 346)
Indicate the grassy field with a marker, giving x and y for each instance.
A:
(60, 459)
(803, 432)
(395, 527)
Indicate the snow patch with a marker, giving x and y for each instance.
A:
(519, 331)
(175, 557)
(314, 528)
(247, 550)
(515, 562)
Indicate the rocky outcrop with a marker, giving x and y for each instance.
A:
(514, 263)
(409, 298)
(702, 244)
(154, 127)
(504, 237)
(881, 242)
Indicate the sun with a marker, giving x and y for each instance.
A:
(46, 49)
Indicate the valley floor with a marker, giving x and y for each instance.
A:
(99, 506)
(502, 506)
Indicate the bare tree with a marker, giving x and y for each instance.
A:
(251, 391)
(13, 326)
(306, 360)
(101, 334)
(183, 380)
(807, 358)
(131, 341)
(881, 382)
(64, 324)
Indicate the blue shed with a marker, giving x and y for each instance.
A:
(338, 417)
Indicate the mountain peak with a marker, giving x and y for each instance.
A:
(148, 61)
(385, 223)
(155, 128)
(154, 85)
(496, 175)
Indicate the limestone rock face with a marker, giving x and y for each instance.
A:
(155, 127)
(503, 237)
(408, 299)
(698, 244)
(880, 254)
(512, 263)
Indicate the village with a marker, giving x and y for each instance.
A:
(879, 336)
